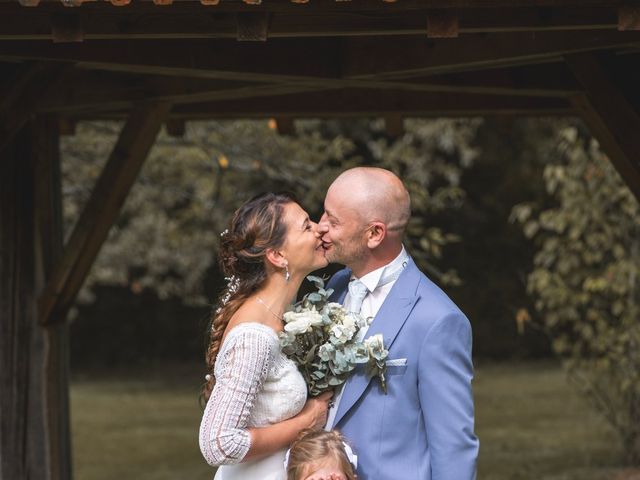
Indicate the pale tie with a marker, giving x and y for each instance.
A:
(357, 292)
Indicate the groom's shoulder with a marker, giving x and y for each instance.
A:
(339, 279)
(433, 296)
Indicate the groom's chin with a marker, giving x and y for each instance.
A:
(329, 254)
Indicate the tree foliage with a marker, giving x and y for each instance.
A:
(166, 236)
(585, 277)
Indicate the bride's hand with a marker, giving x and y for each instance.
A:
(316, 410)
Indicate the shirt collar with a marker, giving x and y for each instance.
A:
(372, 279)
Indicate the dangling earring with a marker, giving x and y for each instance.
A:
(287, 275)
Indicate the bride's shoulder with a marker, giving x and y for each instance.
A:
(250, 328)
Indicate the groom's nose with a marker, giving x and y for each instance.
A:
(323, 224)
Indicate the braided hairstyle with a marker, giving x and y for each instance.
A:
(256, 226)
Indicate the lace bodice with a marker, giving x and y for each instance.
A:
(256, 385)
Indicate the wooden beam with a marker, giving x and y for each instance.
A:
(628, 18)
(53, 372)
(280, 60)
(407, 57)
(67, 27)
(67, 127)
(609, 115)
(394, 125)
(19, 103)
(184, 20)
(442, 24)
(285, 125)
(275, 61)
(175, 128)
(358, 102)
(92, 91)
(101, 211)
(252, 27)
(345, 7)
(17, 287)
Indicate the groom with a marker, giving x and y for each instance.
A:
(422, 428)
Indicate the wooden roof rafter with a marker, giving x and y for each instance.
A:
(98, 21)
(327, 58)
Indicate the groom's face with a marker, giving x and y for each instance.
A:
(343, 234)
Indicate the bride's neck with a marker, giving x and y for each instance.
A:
(277, 293)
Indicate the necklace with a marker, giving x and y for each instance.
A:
(262, 302)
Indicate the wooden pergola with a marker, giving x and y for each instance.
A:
(162, 62)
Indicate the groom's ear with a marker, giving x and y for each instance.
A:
(376, 233)
(275, 258)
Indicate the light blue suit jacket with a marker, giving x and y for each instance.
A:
(422, 429)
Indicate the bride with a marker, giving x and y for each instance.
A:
(256, 398)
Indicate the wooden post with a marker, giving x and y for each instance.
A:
(18, 104)
(34, 406)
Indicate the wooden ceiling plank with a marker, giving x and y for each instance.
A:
(287, 6)
(609, 114)
(101, 211)
(409, 57)
(102, 22)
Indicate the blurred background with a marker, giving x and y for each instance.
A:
(523, 222)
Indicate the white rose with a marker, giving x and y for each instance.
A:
(301, 322)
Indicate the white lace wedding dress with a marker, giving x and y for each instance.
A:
(256, 385)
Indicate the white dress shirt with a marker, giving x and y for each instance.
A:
(370, 306)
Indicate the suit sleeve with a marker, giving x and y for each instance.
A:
(446, 399)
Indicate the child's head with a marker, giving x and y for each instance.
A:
(316, 450)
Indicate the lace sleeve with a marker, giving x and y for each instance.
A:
(241, 368)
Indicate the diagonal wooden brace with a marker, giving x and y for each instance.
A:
(102, 209)
(609, 115)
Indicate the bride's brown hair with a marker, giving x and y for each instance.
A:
(256, 226)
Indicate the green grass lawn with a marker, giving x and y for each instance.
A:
(531, 425)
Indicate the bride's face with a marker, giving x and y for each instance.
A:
(303, 247)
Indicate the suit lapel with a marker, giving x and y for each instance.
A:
(389, 320)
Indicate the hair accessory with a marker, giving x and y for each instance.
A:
(208, 377)
(224, 232)
(353, 458)
(233, 283)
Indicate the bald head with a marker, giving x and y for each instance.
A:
(375, 194)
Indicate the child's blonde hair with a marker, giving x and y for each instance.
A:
(312, 448)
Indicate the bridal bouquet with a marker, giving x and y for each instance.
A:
(321, 338)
